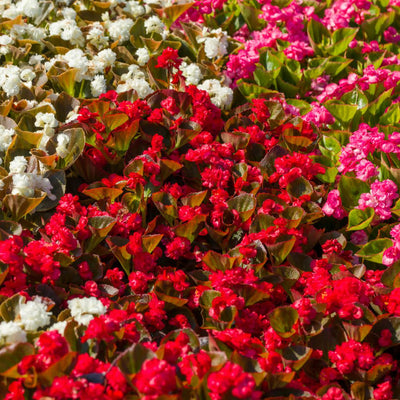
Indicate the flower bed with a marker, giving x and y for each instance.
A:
(199, 200)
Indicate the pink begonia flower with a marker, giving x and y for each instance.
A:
(333, 206)
(319, 115)
(391, 35)
(392, 254)
(380, 198)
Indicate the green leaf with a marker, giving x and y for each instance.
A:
(244, 204)
(375, 26)
(12, 355)
(132, 359)
(10, 307)
(251, 16)
(360, 219)
(350, 190)
(191, 229)
(175, 11)
(299, 187)
(166, 205)
(279, 251)
(341, 39)
(390, 274)
(374, 249)
(150, 242)
(19, 205)
(341, 111)
(282, 320)
(217, 261)
(391, 116)
(299, 355)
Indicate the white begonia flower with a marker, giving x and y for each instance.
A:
(6, 136)
(76, 59)
(59, 327)
(120, 29)
(68, 13)
(96, 35)
(62, 143)
(105, 58)
(35, 59)
(68, 30)
(215, 42)
(154, 24)
(27, 76)
(143, 56)
(22, 185)
(84, 309)
(10, 81)
(18, 165)
(30, 8)
(5, 40)
(192, 73)
(98, 85)
(220, 95)
(141, 86)
(47, 121)
(34, 314)
(11, 332)
(134, 8)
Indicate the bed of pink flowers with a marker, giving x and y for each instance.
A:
(199, 200)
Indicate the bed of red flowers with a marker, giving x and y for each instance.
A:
(174, 248)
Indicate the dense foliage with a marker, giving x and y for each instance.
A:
(199, 200)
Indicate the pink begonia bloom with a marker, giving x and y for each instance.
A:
(354, 155)
(365, 170)
(380, 198)
(392, 254)
(319, 115)
(333, 206)
(391, 35)
(359, 238)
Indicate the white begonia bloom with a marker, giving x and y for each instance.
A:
(120, 29)
(59, 327)
(30, 8)
(6, 136)
(34, 314)
(22, 185)
(83, 310)
(62, 143)
(76, 59)
(192, 73)
(68, 30)
(134, 8)
(154, 24)
(215, 42)
(141, 86)
(68, 13)
(220, 95)
(105, 58)
(18, 165)
(35, 59)
(143, 56)
(98, 85)
(5, 40)
(11, 332)
(47, 121)
(10, 81)
(96, 35)
(27, 75)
